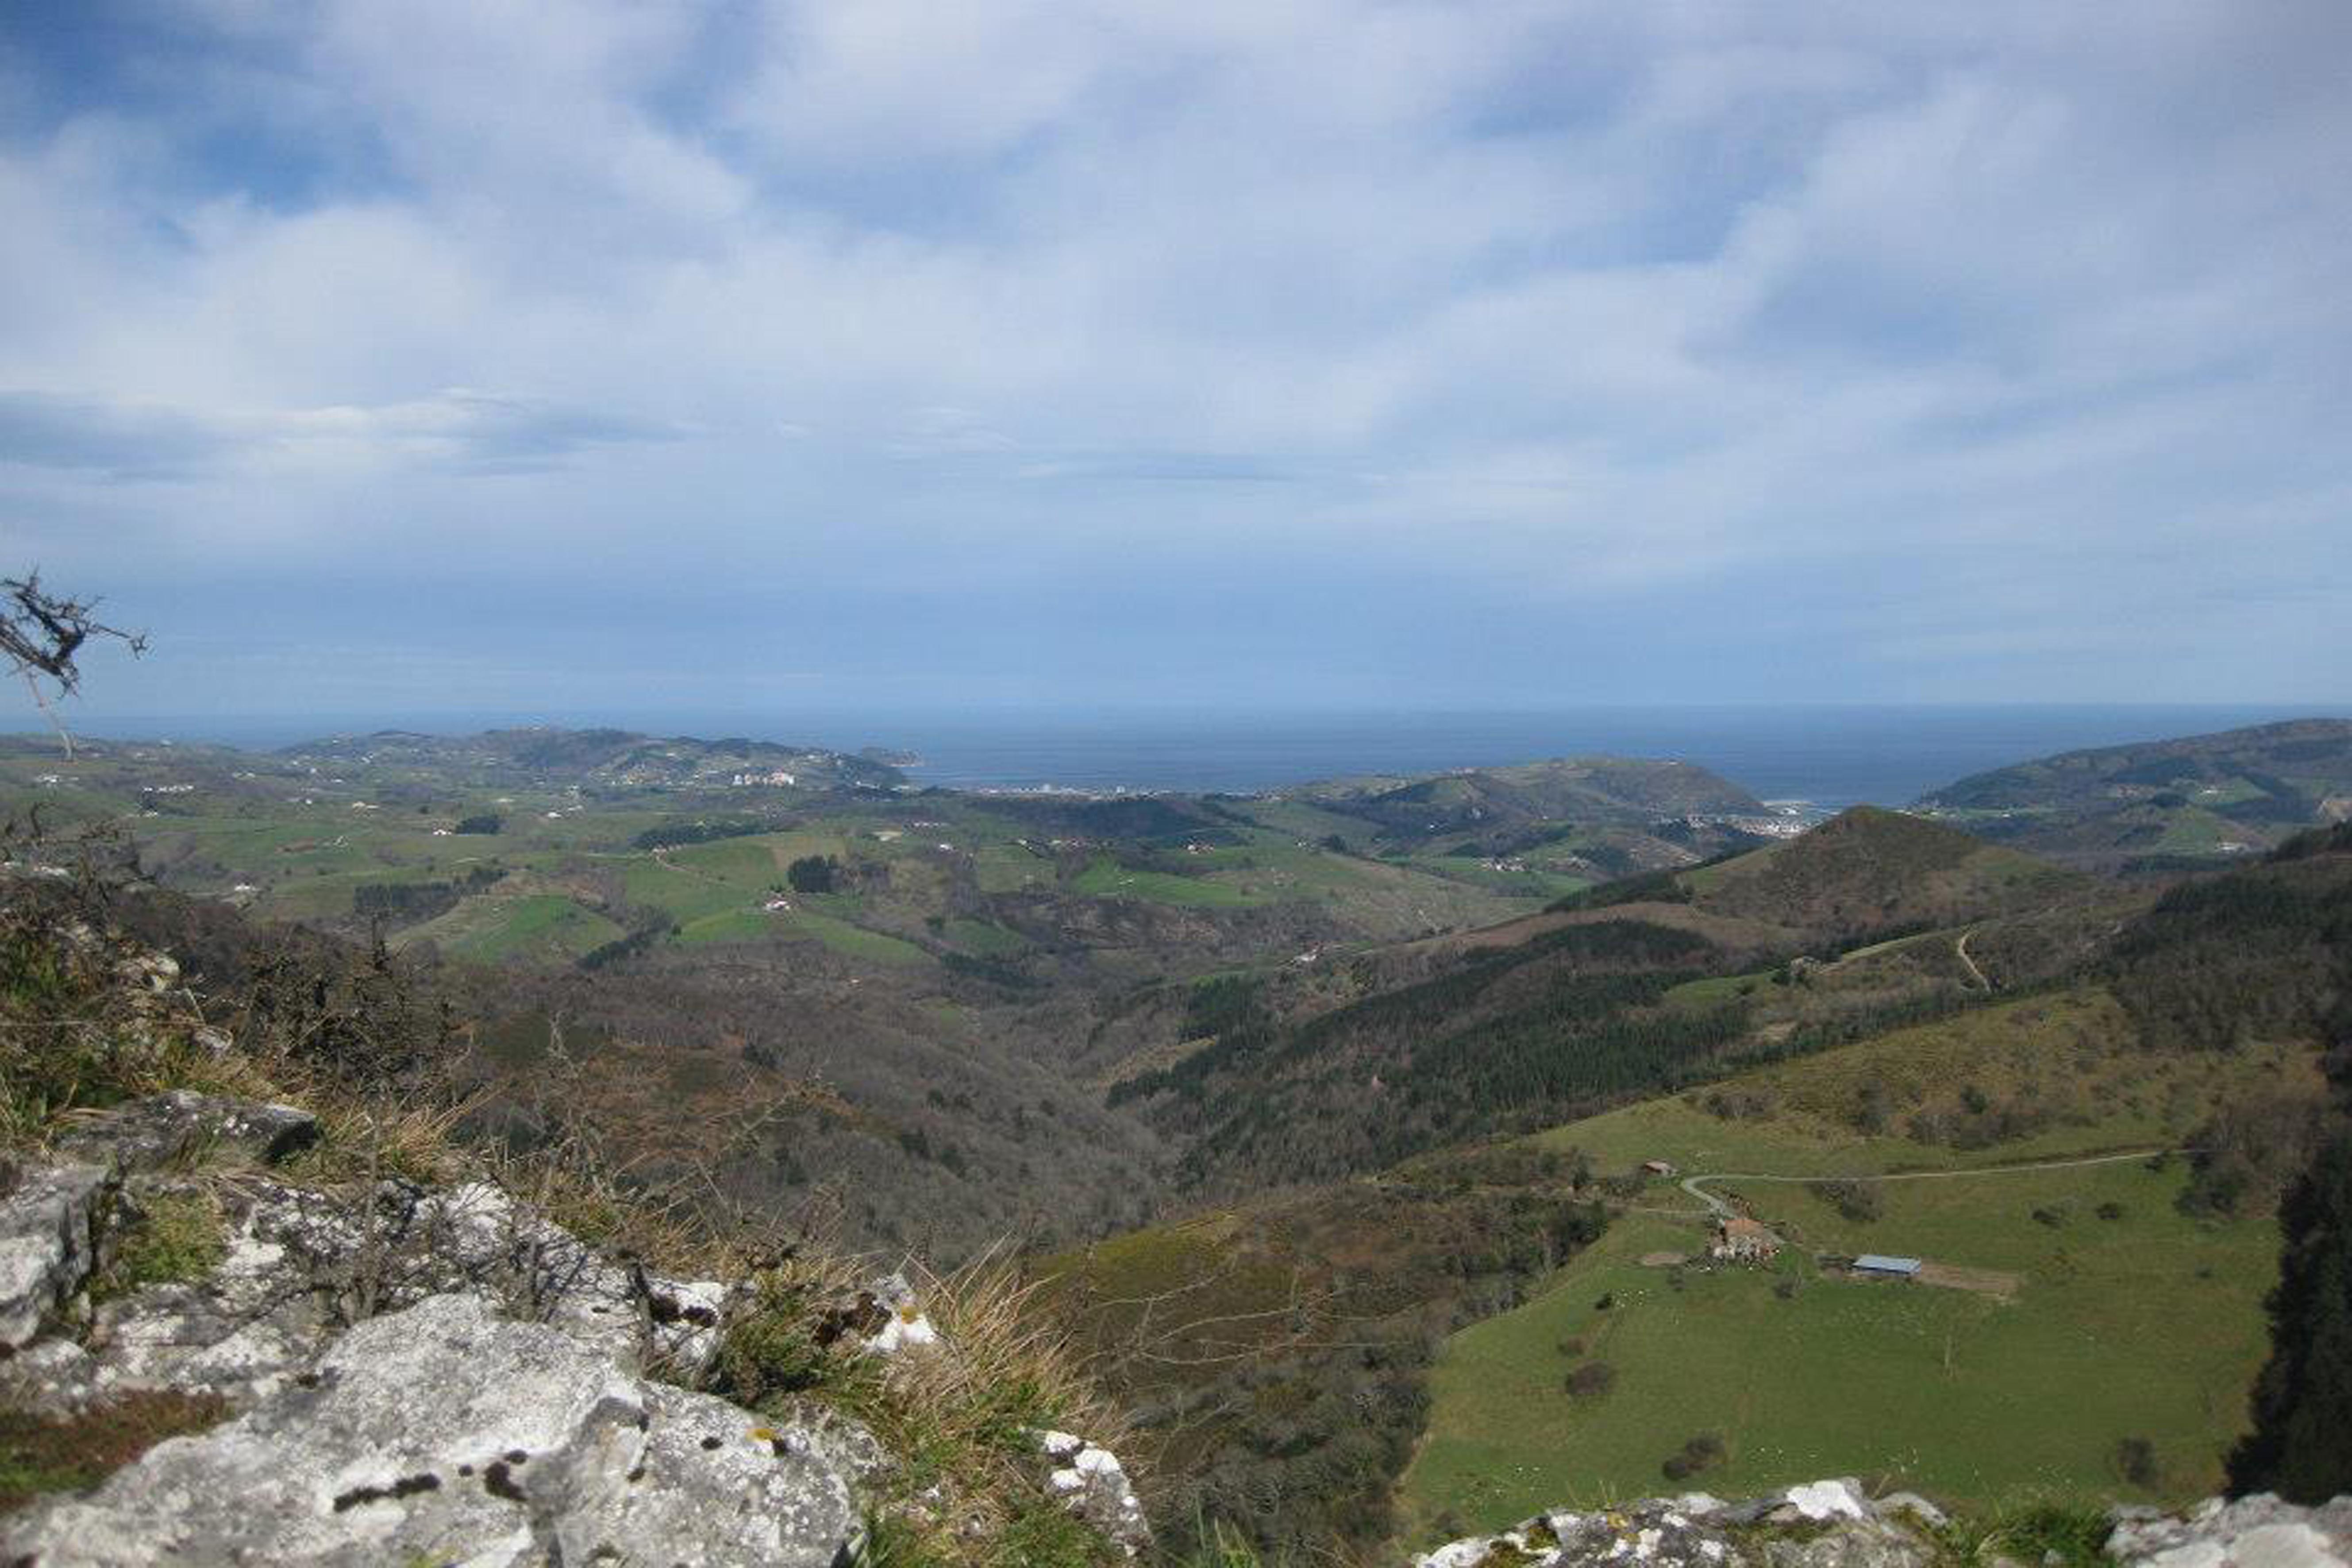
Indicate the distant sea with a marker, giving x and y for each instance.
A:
(1833, 756)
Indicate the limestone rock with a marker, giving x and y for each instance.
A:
(242, 1330)
(479, 1236)
(48, 1244)
(446, 1433)
(1092, 1484)
(1834, 1524)
(147, 971)
(151, 1133)
(2257, 1532)
(301, 1265)
(1822, 1524)
(1818, 1500)
(1896, 1504)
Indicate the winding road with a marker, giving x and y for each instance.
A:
(1961, 947)
(1722, 1209)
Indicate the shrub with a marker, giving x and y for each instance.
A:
(773, 1352)
(812, 874)
(1703, 1452)
(2301, 1446)
(1592, 1380)
(1860, 1202)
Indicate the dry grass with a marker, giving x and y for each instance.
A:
(1007, 1338)
(961, 1418)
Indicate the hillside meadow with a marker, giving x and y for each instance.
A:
(2100, 1313)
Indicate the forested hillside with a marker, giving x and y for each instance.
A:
(1628, 990)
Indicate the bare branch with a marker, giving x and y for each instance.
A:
(42, 634)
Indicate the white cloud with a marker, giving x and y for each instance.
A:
(1561, 302)
(453, 428)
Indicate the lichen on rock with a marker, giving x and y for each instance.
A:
(1837, 1524)
(448, 1433)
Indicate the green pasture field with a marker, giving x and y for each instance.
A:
(2148, 1325)
(1300, 821)
(1107, 878)
(1707, 879)
(545, 926)
(1008, 868)
(731, 925)
(2069, 1053)
(985, 939)
(2106, 1312)
(851, 940)
(1533, 885)
(1402, 896)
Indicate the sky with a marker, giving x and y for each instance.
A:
(460, 356)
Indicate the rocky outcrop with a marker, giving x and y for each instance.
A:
(47, 1245)
(447, 1433)
(151, 1133)
(297, 1266)
(1836, 1524)
(415, 1374)
(2258, 1532)
(1823, 1524)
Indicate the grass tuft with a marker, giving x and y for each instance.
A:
(2059, 1534)
(172, 1237)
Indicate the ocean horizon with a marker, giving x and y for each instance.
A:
(1832, 755)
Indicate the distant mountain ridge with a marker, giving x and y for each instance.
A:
(1613, 815)
(2160, 805)
(1602, 787)
(623, 758)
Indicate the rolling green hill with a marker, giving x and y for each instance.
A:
(1593, 817)
(2163, 804)
(1624, 991)
(2004, 1097)
(1870, 872)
